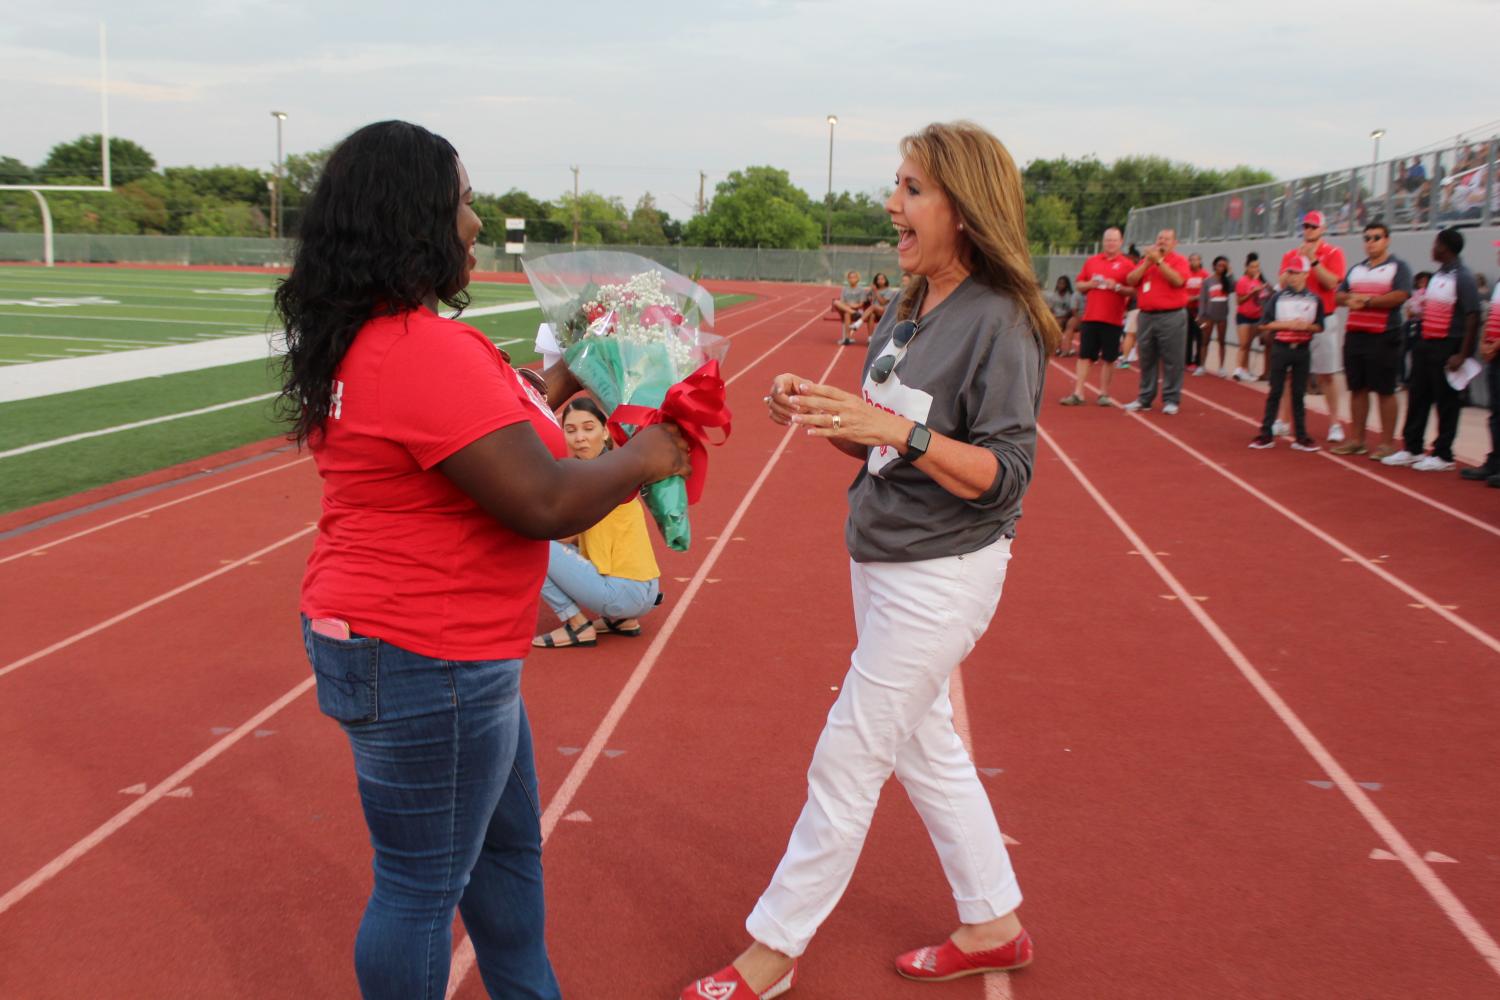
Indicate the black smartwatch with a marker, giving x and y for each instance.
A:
(917, 442)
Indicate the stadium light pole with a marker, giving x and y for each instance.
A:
(828, 214)
(280, 117)
(1375, 134)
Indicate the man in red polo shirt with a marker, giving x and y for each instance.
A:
(1103, 281)
(1160, 281)
(1328, 267)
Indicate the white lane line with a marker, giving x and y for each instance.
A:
(38, 446)
(1352, 466)
(997, 985)
(463, 955)
(48, 546)
(1429, 603)
(15, 665)
(106, 341)
(128, 319)
(116, 822)
(1426, 877)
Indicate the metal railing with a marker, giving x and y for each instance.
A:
(1451, 186)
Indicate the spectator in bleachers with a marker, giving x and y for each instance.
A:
(1327, 265)
(1102, 281)
(1450, 323)
(1250, 294)
(1213, 313)
(1160, 280)
(1489, 353)
(850, 303)
(608, 568)
(1294, 317)
(1194, 287)
(1374, 291)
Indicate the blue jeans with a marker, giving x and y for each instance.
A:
(442, 751)
(573, 581)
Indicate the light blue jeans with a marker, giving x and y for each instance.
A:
(574, 583)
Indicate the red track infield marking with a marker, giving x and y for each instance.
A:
(463, 955)
(1451, 906)
(153, 602)
(1350, 466)
(1438, 607)
(52, 868)
(151, 510)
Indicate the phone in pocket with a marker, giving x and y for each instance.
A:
(333, 628)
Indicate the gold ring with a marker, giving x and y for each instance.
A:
(766, 400)
(838, 422)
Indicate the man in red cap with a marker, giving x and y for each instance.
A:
(1326, 269)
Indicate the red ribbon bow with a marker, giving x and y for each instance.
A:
(694, 405)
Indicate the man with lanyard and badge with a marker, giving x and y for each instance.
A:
(1161, 283)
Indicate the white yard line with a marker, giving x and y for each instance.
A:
(85, 435)
(49, 378)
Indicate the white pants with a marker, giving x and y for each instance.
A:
(916, 622)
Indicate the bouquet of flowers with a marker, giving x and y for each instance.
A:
(632, 331)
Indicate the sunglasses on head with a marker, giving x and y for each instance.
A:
(886, 363)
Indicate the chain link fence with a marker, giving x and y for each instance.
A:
(1453, 186)
(825, 266)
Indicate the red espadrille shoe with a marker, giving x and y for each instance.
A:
(728, 984)
(942, 962)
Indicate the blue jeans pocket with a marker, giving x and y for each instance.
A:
(348, 674)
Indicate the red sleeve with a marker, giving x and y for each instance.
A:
(442, 387)
(1336, 263)
(1084, 275)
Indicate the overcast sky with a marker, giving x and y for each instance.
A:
(643, 95)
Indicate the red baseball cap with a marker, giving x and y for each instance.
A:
(1314, 218)
(1292, 260)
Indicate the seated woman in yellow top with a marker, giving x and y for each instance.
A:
(612, 569)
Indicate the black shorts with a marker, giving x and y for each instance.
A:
(1099, 340)
(1244, 320)
(1372, 361)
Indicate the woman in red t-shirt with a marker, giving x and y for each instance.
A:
(441, 485)
(1250, 294)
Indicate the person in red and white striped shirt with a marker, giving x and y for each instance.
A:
(1374, 290)
(1489, 352)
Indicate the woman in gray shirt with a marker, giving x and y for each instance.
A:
(944, 428)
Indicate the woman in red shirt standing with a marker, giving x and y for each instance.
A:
(441, 485)
(1250, 294)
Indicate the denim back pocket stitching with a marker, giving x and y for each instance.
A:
(348, 675)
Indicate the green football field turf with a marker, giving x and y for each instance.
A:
(71, 312)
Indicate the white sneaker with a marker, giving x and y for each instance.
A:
(856, 326)
(1336, 433)
(1402, 457)
(1134, 406)
(1200, 371)
(1223, 373)
(1170, 409)
(1281, 428)
(1431, 463)
(1241, 375)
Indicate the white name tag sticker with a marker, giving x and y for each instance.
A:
(1145, 286)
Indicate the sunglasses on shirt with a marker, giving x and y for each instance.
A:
(886, 363)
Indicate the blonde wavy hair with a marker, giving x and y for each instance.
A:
(977, 173)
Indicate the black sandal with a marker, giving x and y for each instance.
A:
(614, 625)
(546, 641)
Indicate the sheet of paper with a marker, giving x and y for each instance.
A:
(1465, 374)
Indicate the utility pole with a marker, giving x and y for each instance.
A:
(701, 178)
(280, 117)
(575, 207)
(828, 215)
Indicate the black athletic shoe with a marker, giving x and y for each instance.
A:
(1304, 444)
(1263, 441)
(1482, 473)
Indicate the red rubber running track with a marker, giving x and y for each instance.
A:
(1236, 710)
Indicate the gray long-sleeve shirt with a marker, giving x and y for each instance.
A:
(973, 372)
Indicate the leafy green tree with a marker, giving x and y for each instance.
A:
(13, 171)
(80, 159)
(859, 218)
(600, 219)
(226, 218)
(1050, 223)
(493, 210)
(301, 171)
(757, 206)
(645, 227)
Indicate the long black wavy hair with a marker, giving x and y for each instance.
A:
(378, 237)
